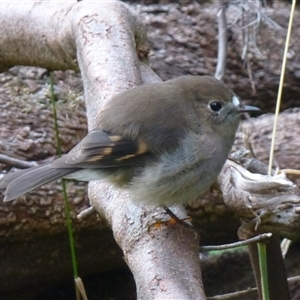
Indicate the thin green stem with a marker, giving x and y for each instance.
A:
(263, 270)
(56, 127)
(66, 202)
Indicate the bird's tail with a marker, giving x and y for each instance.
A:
(23, 181)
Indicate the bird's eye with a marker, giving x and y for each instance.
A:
(215, 106)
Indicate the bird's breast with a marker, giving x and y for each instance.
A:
(182, 175)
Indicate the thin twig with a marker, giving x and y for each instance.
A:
(248, 292)
(235, 295)
(86, 213)
(255, 239)
(222, 42)
(17, 163)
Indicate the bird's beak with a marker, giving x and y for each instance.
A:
(247, 108)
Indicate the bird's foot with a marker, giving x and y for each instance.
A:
(174, 220)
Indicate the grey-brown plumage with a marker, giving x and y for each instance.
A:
(166, 142)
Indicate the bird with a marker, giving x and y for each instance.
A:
(164, 142)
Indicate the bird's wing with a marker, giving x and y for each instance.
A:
(102, 150)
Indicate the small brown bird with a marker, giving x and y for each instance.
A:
(165, 142)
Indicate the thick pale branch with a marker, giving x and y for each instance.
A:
(38, 34)
(122, 72)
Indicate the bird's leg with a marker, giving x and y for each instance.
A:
(171, 214)
(174, 219)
